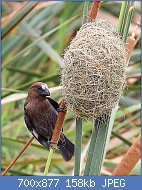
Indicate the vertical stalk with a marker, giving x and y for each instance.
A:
(91, 149)
(85, 12)
(78, 142)
(48, 162)
(103, 137)
(121, 16)
(127, 23)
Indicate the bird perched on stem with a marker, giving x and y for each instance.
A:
(40, 116)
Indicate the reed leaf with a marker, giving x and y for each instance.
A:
(18, 17)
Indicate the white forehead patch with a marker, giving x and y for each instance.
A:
(44, 86)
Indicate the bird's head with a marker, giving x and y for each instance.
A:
(38, 89)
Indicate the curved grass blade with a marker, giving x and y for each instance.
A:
(18, 17)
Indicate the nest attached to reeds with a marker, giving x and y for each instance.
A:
(94, 70)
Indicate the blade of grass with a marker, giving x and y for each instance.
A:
(18, 155)
(125, 7)
(103, 137)
(21, 96)
(23, 51)
(91, 148)
(43, 45)
(48, 162)
(18, 17)
(127, 23)
(121, 138)
(24, 86)
(78, 141)
(121, 16)
(85, 12)
(26, 72)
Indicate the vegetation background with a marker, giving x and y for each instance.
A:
(27, 58)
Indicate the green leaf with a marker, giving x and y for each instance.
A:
(18, 17)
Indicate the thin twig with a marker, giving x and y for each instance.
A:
(130, 159)
(16, 158)
(94, 10)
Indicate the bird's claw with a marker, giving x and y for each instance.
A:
(61, 109)
(64, 108)
(53, 145)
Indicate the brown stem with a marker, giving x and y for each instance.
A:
(58, 126)
(130, 159)
(130, 44)
(94, 10)
(16, 158)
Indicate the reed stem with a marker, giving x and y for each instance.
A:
(78, 142)
(48, 162)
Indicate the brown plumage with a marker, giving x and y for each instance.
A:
(40, 116)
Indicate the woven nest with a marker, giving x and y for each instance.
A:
(94, 71)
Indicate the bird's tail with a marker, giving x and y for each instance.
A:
(67, 150)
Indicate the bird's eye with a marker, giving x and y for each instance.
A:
(39, 87)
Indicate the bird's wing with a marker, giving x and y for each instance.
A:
(28, 122)
(41, 139)
(53, 103)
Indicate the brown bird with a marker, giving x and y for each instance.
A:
(40, 116)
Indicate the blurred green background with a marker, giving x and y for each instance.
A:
(27, 57)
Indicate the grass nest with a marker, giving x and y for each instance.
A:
(94, 70)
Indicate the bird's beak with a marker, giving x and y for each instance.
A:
(45, 92)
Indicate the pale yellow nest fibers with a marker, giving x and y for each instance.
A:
(94, 71)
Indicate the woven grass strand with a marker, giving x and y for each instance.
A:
(95, 70)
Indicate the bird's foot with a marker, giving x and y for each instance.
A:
(60, 109)
(53, 145)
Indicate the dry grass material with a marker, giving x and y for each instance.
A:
(95, 70)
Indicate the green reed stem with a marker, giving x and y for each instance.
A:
(48, 162)
(127, 23)
(78, 142)
(121, 16)
(91, 149)
(103, 137)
